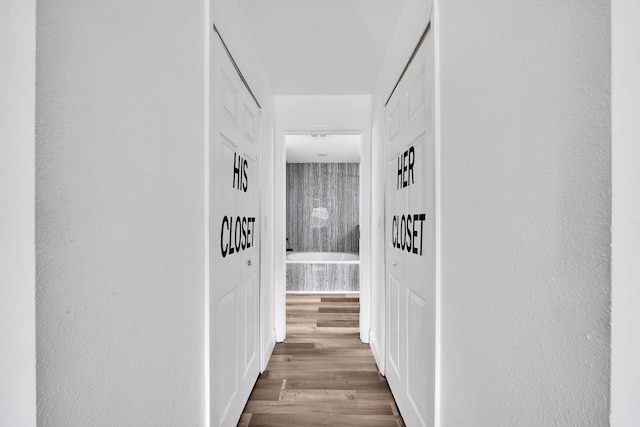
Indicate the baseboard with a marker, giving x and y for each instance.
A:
(375, 349)
(264, 358)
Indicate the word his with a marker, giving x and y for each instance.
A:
(405, 168)
(240, 179)
(236, 234)
(405, 232)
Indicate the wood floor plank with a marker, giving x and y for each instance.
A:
(322, 323)
(319, 358)
(265, 382)
(327, 352)
(325, 376)
(245, 419)
(321, 366)
(315, 395)
(283, 347)
(311, 330)
(336, 342)
(323, 420)
(339, 299)
(268, 394)
(338, 309)
(363, 396)
(322, 375)
(345, 407)
(305, 383)
(322, 316)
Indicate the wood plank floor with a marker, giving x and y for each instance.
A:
(322, 375)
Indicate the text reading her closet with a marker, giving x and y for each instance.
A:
(407, 230)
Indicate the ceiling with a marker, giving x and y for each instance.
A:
(322, 47)
(323, 148)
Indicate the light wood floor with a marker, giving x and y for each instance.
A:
(322, 375)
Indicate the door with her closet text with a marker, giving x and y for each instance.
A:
(410, 248)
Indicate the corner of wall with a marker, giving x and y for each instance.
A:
(17, 213)
(625, 269)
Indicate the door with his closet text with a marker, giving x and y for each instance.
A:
(234, 239)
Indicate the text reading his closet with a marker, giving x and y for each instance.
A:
(237, 233)
(407, 230)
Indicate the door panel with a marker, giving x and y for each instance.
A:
(249, 311)
(410, 248)
(228, 384)
(416, 96)
(250, 126)
(229, 98)
(417, 348)
(234, 256)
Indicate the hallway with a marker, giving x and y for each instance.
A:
(499, 210)
(322, 375)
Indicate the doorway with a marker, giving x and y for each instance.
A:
(326, 233)
(323, 213)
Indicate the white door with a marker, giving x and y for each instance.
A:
(234, 234)
(410, 240)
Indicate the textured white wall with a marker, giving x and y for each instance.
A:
(526, 179)
(119, 184)
(17, 205)
(625, 322)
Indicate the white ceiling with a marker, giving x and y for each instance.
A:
(322, 47)
(332, 148)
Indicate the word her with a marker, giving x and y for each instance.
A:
(240, 179)
(236, 234)
(405, 234)
(405, 168)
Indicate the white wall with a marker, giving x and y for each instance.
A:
(316, 113)
(17, 206)
(119, 186)
(322, 113)
(525, 128)
(625, 345)
(413, 21)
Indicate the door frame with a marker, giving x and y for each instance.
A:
(280, 187)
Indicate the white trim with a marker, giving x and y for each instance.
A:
(266, 355)
(438, 214)
(377, 355)
(324, 292)
(365, 235)
(238, 52)
(207, 273)
(280, 229)
(280, 235)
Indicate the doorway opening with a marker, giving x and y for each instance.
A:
(322, 213)
(323, 219)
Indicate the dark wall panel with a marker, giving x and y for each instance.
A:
(323, 201)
